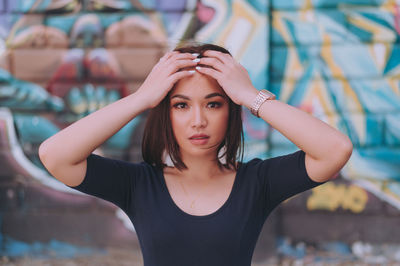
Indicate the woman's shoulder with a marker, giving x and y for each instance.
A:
(138, 167)
(249, 166)
(277, 157)
(250, 162)
(257, 163)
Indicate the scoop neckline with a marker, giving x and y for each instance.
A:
(199, 217)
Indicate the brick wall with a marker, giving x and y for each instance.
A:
(336, 60)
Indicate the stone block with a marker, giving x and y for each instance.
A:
(175, 5)
(364, 130)
(136, 64)
(125, 5)
(285, 62)
(10, 193)
(142, 31)
(34, 212)
(41, 197)
(301, 4)
(27, 32)
(5, 61)
(7, 22)
(296, 4)
(386, 57)
(338, 196)
(48, 6)
(339, 61)
(321, 227)
(92, 228)
(350, 61)
(62, 23)
(308, 27)
(368, 24)
(36, 64)
(392, 129)
(113, 36)
(390, 210)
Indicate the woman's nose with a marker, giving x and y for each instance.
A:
(198, 117)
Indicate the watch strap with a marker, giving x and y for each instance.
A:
(262, 96)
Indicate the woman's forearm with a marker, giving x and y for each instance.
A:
(74, 143)
(315, 137)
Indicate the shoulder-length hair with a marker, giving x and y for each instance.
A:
(158, 136)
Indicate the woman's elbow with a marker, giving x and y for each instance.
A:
(344, 151)
(346, 148)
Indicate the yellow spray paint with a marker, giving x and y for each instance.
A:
(330, 197)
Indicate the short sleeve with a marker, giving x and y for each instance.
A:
(285, 176)
(109, 179)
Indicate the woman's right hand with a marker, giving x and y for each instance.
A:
(164, 75)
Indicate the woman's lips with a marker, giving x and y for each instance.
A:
(199, 139)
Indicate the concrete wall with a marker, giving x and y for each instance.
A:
(337, 60)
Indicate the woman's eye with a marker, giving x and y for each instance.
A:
(214, 104)
(180, 105)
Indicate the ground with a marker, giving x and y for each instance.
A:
(114, 256)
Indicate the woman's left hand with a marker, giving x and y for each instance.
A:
(231, 76)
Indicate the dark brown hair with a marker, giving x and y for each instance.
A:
(158, 135)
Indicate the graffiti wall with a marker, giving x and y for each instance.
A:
(338, 61)
(62, 60)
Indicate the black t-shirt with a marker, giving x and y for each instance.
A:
(170, 236)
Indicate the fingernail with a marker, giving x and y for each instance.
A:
(195, 54)
(198, 68)
(196, 60)
(191, 72)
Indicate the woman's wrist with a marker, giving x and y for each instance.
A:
(145, 100)
(249, 98)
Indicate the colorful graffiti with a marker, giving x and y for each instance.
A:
(337, 60)
(331, 196)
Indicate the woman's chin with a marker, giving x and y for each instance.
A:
(201, 151)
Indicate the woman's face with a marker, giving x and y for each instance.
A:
(199, 111)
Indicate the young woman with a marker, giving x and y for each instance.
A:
(206, 207)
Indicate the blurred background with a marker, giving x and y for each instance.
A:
(338, 60)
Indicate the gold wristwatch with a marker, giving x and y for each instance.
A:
(261, 97)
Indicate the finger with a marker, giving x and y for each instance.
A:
(224, 58)
(179, 56)
(213, 62)
(167, 55)
(209, 71)
(178, 64)
(180, 74)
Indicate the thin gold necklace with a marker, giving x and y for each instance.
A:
(187, 195)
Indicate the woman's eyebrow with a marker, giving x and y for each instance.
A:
(180, 96)
(214, 94)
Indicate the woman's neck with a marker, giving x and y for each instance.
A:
(201, 168)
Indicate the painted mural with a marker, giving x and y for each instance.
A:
(339, 61)
(335, 59)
